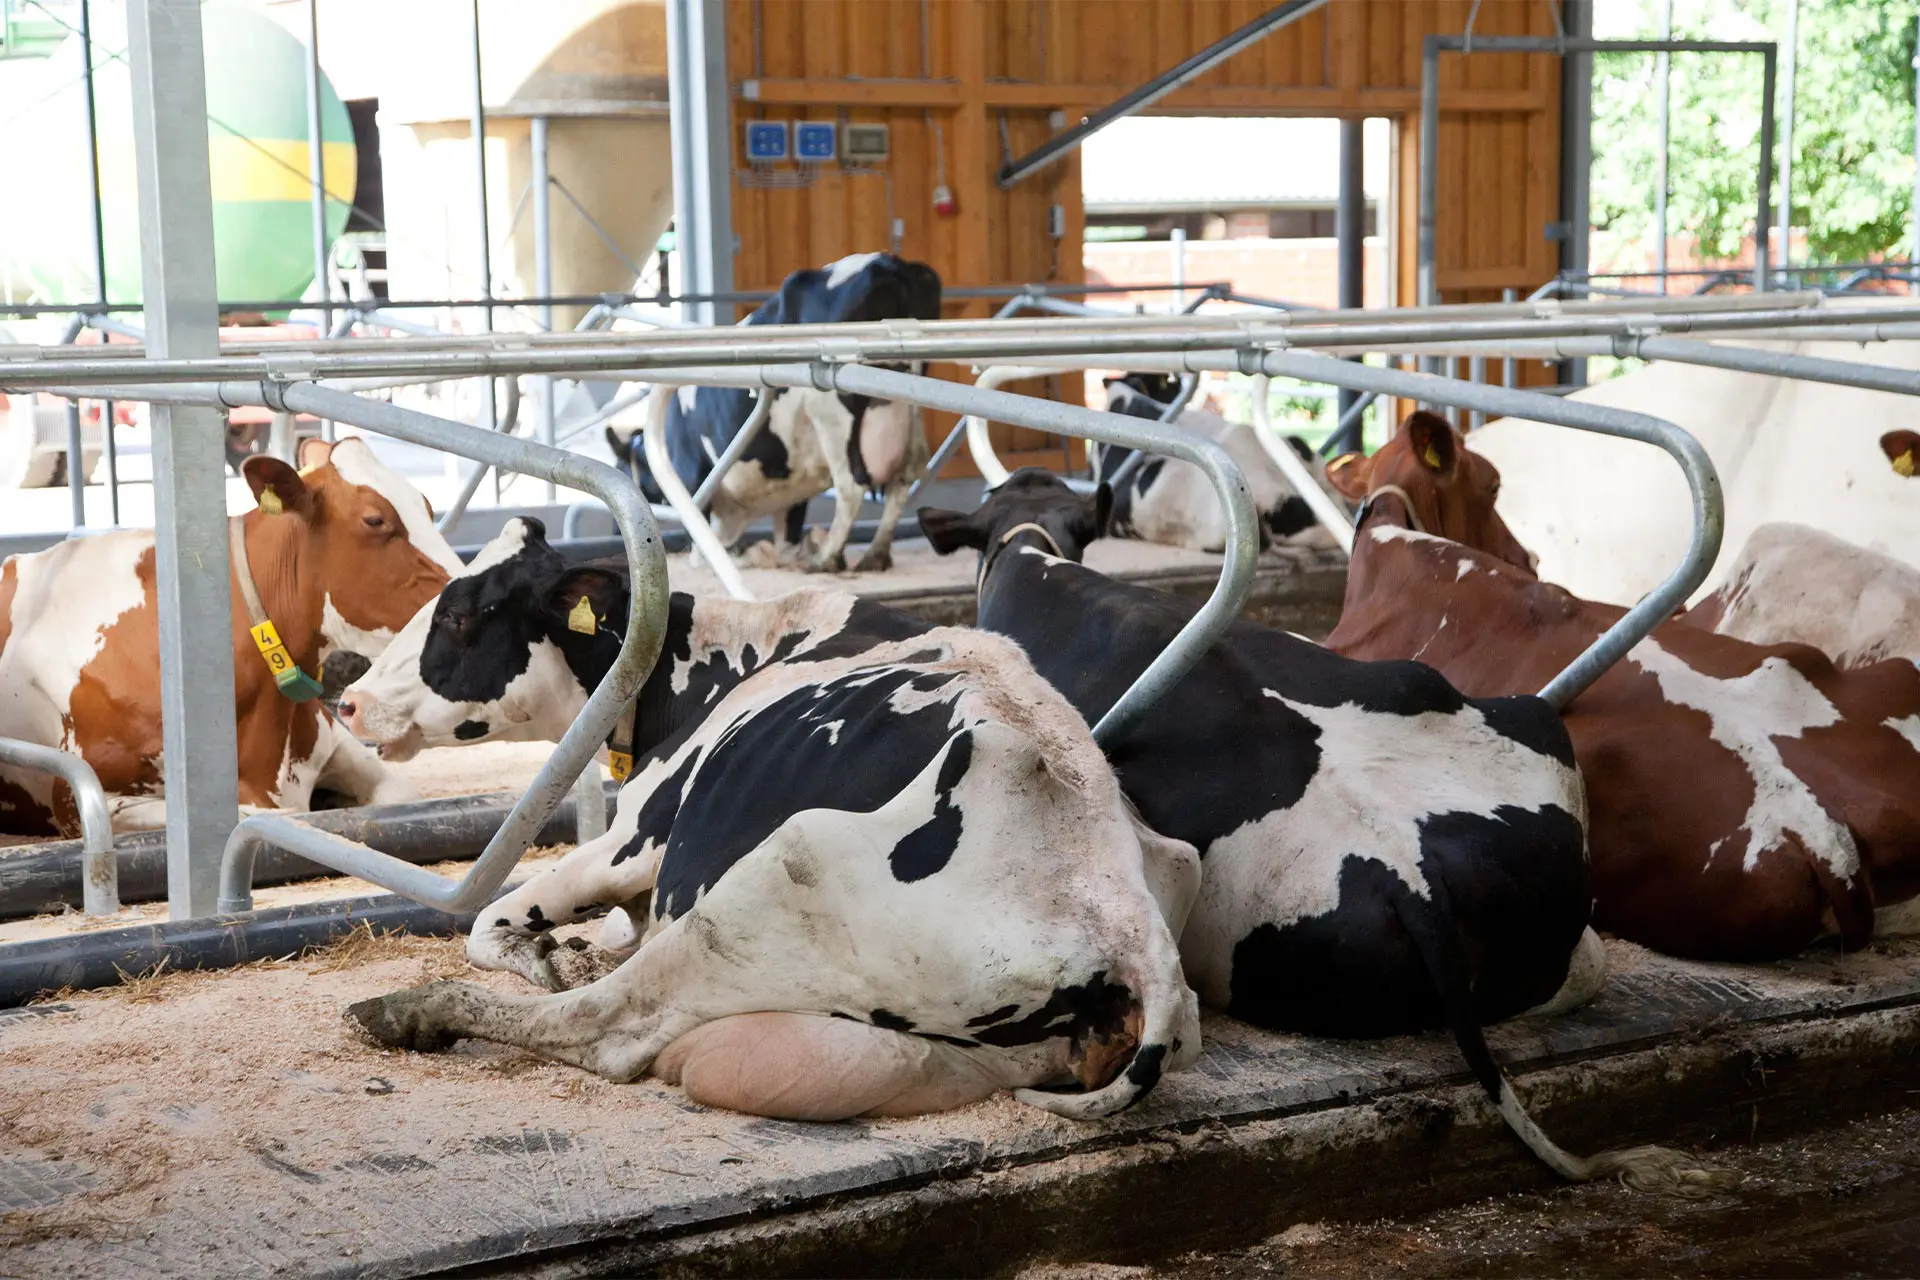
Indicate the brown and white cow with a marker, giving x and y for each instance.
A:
(350, 555)
(1744, 799)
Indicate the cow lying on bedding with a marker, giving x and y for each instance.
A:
(1746, 799)
(340, 554)
(1380, 855)
(886, 875)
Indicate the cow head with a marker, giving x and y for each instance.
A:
(1427, 479)
(1902, 449)
(1035, 507)
(1141, 395)
(369, 544)
(494, 658)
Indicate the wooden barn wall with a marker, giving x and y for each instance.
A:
(961, 82)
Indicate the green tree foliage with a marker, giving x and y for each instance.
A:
(1853, 135)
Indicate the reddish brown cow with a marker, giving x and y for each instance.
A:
(342, 553)
(1745, 799)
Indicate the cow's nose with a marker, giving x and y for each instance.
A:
(351, 707)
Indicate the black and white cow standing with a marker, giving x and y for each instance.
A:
(879, 876)
(1379, 854)
(1169, 501)
(813, 440)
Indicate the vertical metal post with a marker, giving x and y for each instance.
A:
(107, 442)
(1913, 251)
(1763, 217)
(1476, 374)
(1177, 241)
(76, 466)
(1663, 70)
(1576, 171)
(1350, 233)
(1427, 292)
(543, 274)
(189, 458)
(701, 123)
(1786, 134)
(316, 167)
(1507, 364)
(488, 411)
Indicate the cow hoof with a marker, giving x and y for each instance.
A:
(579, 964)
(401, 1020)
(835, 563)
(874, 562)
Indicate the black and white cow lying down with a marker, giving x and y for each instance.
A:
(814, 441)
(1169, 501)
(1379, 854)
(886, 876)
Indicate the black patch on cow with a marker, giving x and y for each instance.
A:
(1146, 474)
(887, 1020)
(928, 847)
(654, 823)
(856, 407)
(794, 524)
(1511, 889)
(1531, 723)
(1144, 1071)
(1001, 1014)
(775, 763)
(1290, 517)
(537, 920)
(468, 730)
(1095, 1007)
(485, 625)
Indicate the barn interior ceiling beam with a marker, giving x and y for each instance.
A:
(1187, 70)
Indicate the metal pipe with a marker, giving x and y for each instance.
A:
(1663, 71)
(316, 166)
(1170, 413)
(543, 275)
(489, 411)
(1349, 427)
(979, 439)
(1703, 482)
(1913, 251)
(1786, 134)
(100, 874)
(76, 466)
(1177, 241)
(589, 804)
(1763, 219)
(1243, 546)
(1509, 373)
(108, 445)
(1350, 230)
(742, 439)
(1331, 517)
(639, 649)
(1476, 372)
(947, 449)
(1183, 72)
(692, 517)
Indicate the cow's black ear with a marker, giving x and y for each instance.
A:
(949, 531)
(276, 486)
(589, 600)
(1096, 514)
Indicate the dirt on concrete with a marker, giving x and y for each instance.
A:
(1842, 1202)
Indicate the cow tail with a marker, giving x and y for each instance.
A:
(1662, 1169)
(1169, 1037)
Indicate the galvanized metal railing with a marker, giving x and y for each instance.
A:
(99, 873)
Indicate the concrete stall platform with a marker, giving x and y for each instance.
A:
(231, 1123)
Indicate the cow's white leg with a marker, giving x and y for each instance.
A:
(879, 554)
(137, 813)
(514, 933)
(354, 770)
(803, 1066)
(847, 495)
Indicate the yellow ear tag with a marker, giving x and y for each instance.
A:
(1433, 456)
(1904, 463)
(581, 618)
(270, 502)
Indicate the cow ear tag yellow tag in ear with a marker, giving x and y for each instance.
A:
(581, 618)
(1433, 456)
(270, 503)
(1904, 463)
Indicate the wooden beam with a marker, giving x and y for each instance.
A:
(931, 94)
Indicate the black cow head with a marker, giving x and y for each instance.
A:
(1141, 395)
(508, 652)
(1033, 508)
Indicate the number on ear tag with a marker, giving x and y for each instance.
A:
(1904, 463)
(580, 618)
(619, 764)
(270, 503)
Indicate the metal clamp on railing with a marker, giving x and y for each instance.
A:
(646, 630)
(99, 873)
